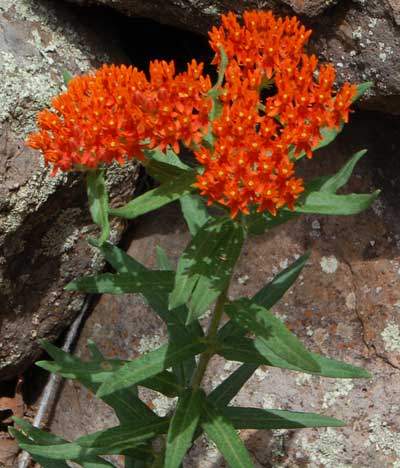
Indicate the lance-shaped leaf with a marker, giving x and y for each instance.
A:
(92, 373)
(221, 431)
(98, 202)
(194, 212)
(113, 441)
(269, 294)
(332, 204)
(272, 336)
(206, 265)
(182, 427)
(67, 77)
(256, 418)
(163, 262)
(362, 88)
(230, 387)
(319, 198)
(156, 297)
(40, 437)
(243, 350)
(119, 283)
(164, 165)
(126, 404)
(150, 364)
(167, 192)
(338, 180)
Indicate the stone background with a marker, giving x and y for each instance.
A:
(347, 302)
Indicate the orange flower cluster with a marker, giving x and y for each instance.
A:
(250, 163)
(108, 115)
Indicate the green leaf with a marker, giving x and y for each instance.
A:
(113, 441)
(206, 265)
(41, 437)
(165, 382)
(163, 262)
(338, 180)
(319, 197)
(243, 349)
(157, 297)
(169, 191)
(362, 88)
(164, 166)
(230, 387)
(67, 77)
(182, 427)
(98, 202)
(256, 418)
(194, 212)
(119, 283)
(125, 403)
(332, 204)
(221, 431)
(168, 157)
(272, 336)
(270, 294)
(120, 438)
(149, 364)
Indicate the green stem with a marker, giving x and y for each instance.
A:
(211, 334)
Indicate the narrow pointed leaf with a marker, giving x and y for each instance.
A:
(206, 265)
(243, 350)
(169, 191)
(270, 294)
(120, 438)
(165, 382)
(338, 180)
(149, 365)
(119, 283)
(90, 374)
(230, 387)
(156, 297)
(194, 212)
(319, 198)
(221, 431)
(164, 171)
(332, 204)
(67, 77)
(113, 441)
(98, 202)
(271, 334)
(256, 418)
(362, 88)
(38, 436)
(163, 262)
(182, 427)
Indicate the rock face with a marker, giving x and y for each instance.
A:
(43, 219)
(344, 305)
(361, 37)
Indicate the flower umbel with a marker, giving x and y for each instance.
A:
(259, 138)
(107, 115)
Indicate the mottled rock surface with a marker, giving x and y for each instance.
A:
(361, 37)
(43, 219)
(345, 305)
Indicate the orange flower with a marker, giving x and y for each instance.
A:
(250, 163)
(108, 114)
